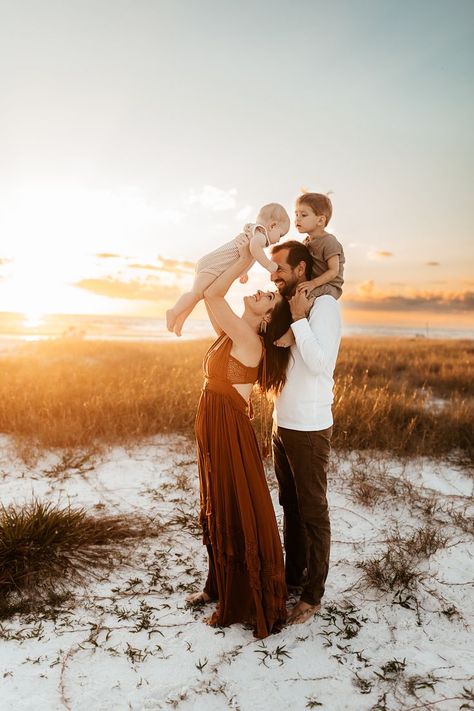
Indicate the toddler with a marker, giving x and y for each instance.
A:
(313, 212)
(272, 224)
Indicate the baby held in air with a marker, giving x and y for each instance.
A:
(272, 223)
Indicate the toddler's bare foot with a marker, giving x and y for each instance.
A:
(170, 320)
(197, 599)
(286, 340)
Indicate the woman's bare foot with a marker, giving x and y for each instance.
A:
(302, 612)
(197, 599)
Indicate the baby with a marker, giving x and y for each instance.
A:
(272, 224)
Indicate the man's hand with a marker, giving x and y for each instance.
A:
(300, 305)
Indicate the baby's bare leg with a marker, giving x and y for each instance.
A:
(176, 316)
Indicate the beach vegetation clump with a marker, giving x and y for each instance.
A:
(45, 548)
(397, 569)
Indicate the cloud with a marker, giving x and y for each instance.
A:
(147, 267)
(134, 289)
(367, 297)
(174, 265)
(432, 264)
(168, 266)
(213, 198)
(379, 254)
(244, 213)
(366, 288)
(108, 255)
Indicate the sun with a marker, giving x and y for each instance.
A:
(32, 319)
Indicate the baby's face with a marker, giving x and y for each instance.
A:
(275, 229)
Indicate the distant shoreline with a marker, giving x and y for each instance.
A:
(16, 328)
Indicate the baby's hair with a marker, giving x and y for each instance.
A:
(319, 203)
(277, 212)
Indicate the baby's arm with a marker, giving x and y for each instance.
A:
(256, 245)
(324, 278)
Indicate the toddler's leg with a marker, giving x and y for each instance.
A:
(176, 316)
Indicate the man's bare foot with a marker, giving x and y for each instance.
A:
(302, 612)
(170, 320)
(198, 599)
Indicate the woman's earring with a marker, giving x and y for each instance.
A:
(263, 327)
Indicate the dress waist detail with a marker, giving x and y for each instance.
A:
(223, 387)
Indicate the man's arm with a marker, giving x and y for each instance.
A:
(316, 336)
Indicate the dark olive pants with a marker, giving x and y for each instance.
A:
(301, 465)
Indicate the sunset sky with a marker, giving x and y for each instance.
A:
(136, 136)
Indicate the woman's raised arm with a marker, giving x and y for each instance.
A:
(238, 330)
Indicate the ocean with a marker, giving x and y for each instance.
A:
(14, 328)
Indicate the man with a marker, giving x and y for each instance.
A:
(303, 428)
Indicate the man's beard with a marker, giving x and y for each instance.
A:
(289, 289)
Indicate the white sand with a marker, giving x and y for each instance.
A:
(92, 658)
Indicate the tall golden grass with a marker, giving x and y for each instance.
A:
(77, 394)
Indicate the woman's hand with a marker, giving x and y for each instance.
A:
(242, 241)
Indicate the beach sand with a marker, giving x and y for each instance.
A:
(129, 642)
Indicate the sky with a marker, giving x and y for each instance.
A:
(136, 136)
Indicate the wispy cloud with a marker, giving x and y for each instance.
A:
(432, 264)
(245, 213)
(368, 297)
(379, 254)
(134, 289)
(168, 266)
(174, 265)
(108, 255)
(146, 267)
(213, 198)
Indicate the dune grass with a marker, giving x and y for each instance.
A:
(395, 395)
(44, 548)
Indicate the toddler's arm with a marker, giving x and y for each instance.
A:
(324, 278)
(256, 245)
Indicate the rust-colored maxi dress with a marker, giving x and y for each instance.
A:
(246, 571)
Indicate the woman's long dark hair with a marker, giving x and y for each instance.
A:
(272, 370)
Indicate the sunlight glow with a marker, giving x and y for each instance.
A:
(32, 319)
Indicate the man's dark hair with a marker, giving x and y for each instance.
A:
(297, 252)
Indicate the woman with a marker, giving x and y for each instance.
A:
(246, 572)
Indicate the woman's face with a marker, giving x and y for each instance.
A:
(263, 301)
